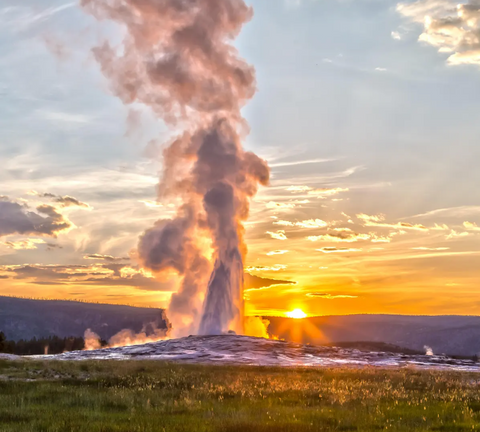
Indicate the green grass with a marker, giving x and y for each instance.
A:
(154, 396)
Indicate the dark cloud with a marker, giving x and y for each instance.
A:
(51, 246)
(338, 250)
(115, 268)
(17, 219)
(68, 201)
(64, 201)
(105, 257)
(98, 275)
(137, 281)
(47, 273)
(257, 282)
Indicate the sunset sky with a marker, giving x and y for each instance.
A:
(368, 112)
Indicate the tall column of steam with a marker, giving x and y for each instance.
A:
(177, 57)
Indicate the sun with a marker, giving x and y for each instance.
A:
(297, 314)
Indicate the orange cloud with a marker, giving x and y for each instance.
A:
(431, 249)
(27, 244)
(309, 224)
(279, 235)
(277, 252)
(340, 237)
(472, 226)
(348, 236)
(275, 268)
(378, 221)
(312, 223)
(104, 257)
(454, 234)
(437, 227)
(322, 192)
(338, 250)
(151, 204)
(330, 296)
(280, 205)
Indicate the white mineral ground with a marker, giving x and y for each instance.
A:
(244, 350)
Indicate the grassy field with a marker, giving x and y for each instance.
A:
(153, 396)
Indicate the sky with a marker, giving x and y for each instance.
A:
(367, 112)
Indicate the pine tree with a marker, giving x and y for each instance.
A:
(3, 341)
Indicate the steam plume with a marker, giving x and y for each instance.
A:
(177, 58)
(92, 340)
(428, 350)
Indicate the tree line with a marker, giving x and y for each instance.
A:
(39, 346)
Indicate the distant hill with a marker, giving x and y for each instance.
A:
(25, 319)
(452, 335)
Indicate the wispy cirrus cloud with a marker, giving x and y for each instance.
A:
(280, 205)
(379, 221)
(329, 296)
(261, 268)
(309, 224)
(301, 162)
(347, 235)
(318, 192)
(329, 250)
(21, 18)
(277, 252)
(151, 204)
(451, 212)
(455, 234)
(339, 237)
(424, 248)
(63, 201)
(26, 244)
(64, 117)
(105, 257)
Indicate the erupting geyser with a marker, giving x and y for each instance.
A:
(177, 57)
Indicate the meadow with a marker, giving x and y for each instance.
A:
(152, 396)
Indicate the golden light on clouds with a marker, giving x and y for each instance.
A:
(279, 235)
(277, 252)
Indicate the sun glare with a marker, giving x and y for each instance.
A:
(297, 314)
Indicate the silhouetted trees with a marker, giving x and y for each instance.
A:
(3, 340)
(50, 345)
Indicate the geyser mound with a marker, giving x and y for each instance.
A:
(244, 350)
